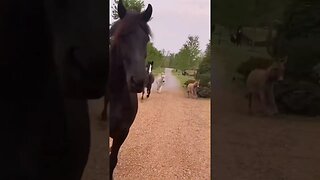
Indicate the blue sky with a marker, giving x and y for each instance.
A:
(174, 20)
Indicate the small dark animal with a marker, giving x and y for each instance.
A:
(260, 84)
(127, 74)
(233, 38)
(236, 38)
(149, 79)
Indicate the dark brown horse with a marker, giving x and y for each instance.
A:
(53, 58)
(127, 74)
(149, 79)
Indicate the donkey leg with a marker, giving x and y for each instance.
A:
(262, 96)
(148, 92)
(116, 144)
(194, 94)
(273, 105)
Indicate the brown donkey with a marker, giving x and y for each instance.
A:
(260, 84)
(192, 89)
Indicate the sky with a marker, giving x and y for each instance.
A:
(173, 20)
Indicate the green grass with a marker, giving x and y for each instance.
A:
(157, 71)
(182, 79)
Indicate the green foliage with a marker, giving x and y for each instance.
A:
(153, 54)
(204, 71)
(204, 79)
(252, 63)
(204, 92)
(182, 79)
(133, 5)
(188, 56)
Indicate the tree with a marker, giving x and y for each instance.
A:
(297, 37)
(153, 54)
(189, 55)
(133, 5)
(204, 71)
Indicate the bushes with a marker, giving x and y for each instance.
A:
(303, 58)
(301, 98)
(252, 63)
(204, 78)
(204, 92)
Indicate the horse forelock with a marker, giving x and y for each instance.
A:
(127, 25)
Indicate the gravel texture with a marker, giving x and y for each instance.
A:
(170, 139)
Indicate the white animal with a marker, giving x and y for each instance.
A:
(160, 82)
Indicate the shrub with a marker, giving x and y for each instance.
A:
(204, 79)
(204, 92)
(252, 63)
(301, 98)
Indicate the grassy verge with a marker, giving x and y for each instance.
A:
(157, 71)
(182, 79)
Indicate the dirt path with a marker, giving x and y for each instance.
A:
(170, 139)
(251, 147)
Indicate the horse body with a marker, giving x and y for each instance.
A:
(160, 82)
(260, 84)
(149, 79)
(127, 74)
(192, 89)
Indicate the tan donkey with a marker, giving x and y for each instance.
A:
(260, 83)
(192, 89)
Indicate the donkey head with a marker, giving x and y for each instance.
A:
(277, 69)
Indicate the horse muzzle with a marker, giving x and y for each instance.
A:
(136, 85)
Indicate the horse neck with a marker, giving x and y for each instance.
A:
(117, 76)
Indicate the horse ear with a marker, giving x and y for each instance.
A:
(146, 15)
(152, 63)
(121, 10)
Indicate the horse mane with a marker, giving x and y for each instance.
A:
(128, 24)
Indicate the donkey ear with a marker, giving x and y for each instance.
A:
(121, 10)
(146, 15)
(151, 62)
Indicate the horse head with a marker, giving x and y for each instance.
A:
(149, 67)
(129, 47)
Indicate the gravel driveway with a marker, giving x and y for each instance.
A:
(170, 139)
